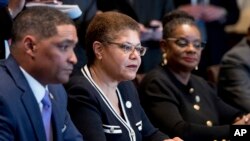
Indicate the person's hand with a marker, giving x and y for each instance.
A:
(244, 120)
(212, 13)
(142, 28)
(15, 6)
(146, 33)
(174, 139)
(156, 24)
(193, 10)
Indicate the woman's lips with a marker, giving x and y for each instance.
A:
(132, 67)
(189, 59)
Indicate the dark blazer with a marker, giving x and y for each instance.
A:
(20, 116)
(234, 76)
(170, 105)
(5, 29)
(147, 10)
(95, 118)
(122, 6)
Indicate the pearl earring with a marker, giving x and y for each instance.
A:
(196, 68)
(164, 59)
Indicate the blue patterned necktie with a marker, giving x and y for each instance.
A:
(46, 115)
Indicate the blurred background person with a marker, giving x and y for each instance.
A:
(103, 102)
(8, 11)
(178, 102)
(234, 76)
(241, 26)
(89, 10)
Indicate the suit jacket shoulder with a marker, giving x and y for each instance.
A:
(238, 55)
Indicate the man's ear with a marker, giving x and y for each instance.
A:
(29, 45)
(98, 49)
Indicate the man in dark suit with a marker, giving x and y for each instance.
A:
(234, 76)
(41, 58)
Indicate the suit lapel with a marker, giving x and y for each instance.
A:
(28, 99)
(34, 114)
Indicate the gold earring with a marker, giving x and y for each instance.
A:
(164, 59)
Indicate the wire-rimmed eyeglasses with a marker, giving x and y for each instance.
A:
(183, 42)
(129, 48)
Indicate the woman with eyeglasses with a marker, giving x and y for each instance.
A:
(103, 102)
(178, 102)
